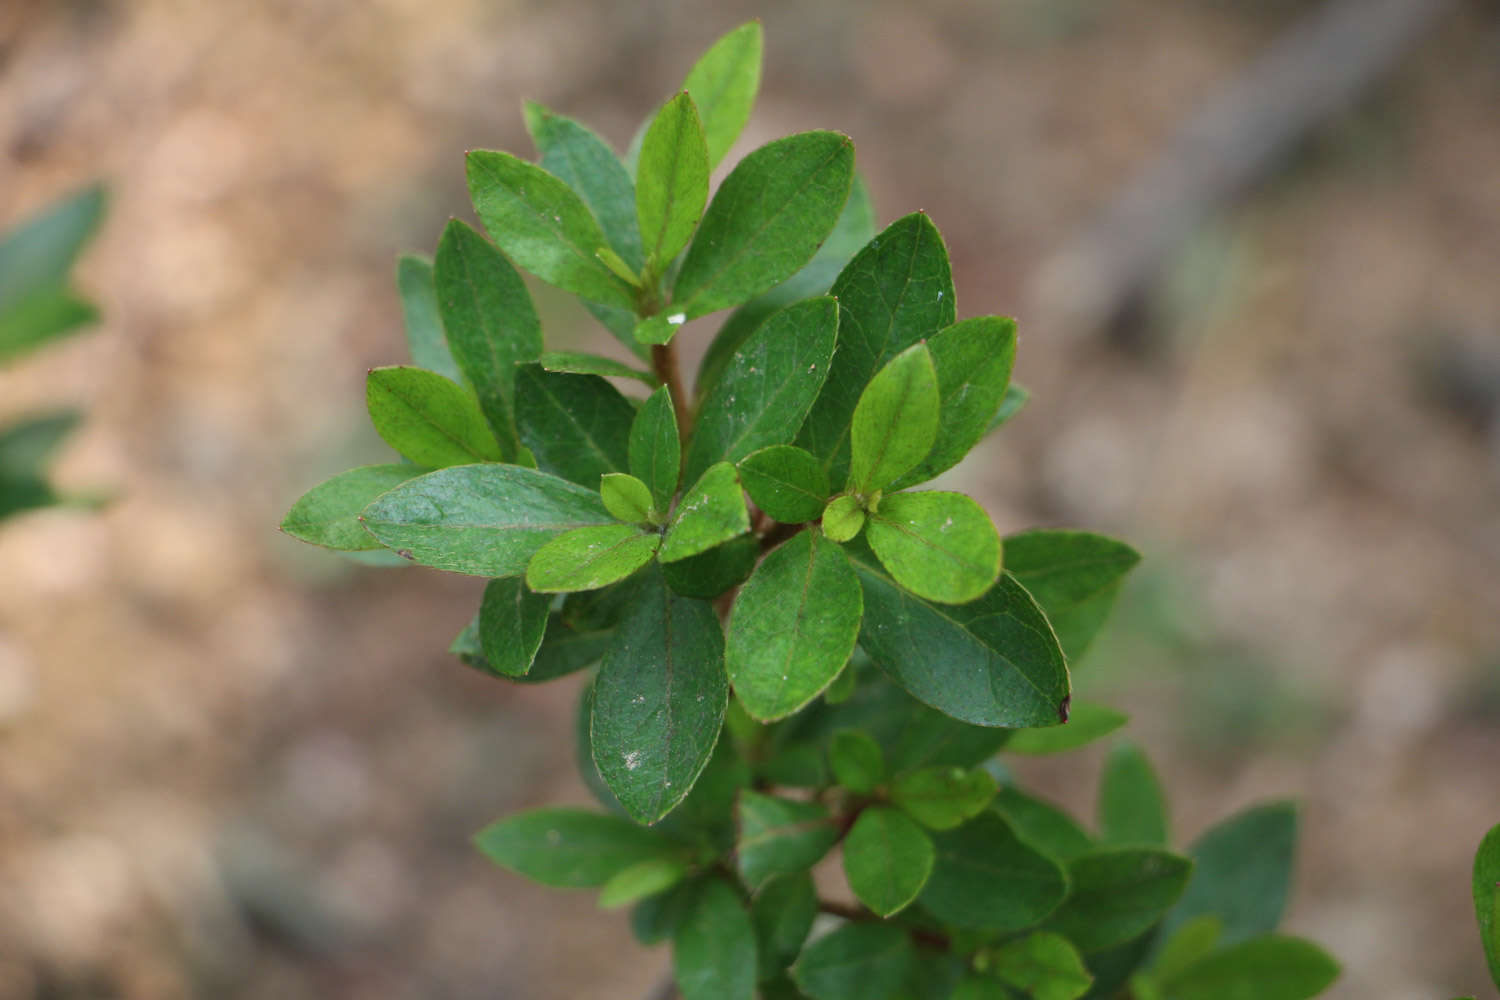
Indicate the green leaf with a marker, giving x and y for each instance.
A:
(512, 622)
(41, 318)
(1042, 824)
(709, 574)
(1043, 966)
(723, 83)
(656, 918)
(973, 360)
(767, 387)
(590, 558)
(792, 627)
(858, 961)
(1016, 396)
(490, 322)
(626, 497)
(659, 700)
(543, 226)
(1242, 872)
(911, 734)
(564, 650)
(425, 337)
(38, 253)
(887, 859)
(28, 447)
(484, 520)
(940, 546)
(658, 329)
(856, 760)
(844, 685)
(576, 363)
(1087, 722)
(896, 421)
(671, 182)
(1118, 893)
(427, 418)
(1487, 898)
(580, 159)
(986, 878)
(783, 912)
(328, 514)
(1272, 967)
(943, 797)
(766, 221)
(786, 482)
(577, 426)
(711, 511)
(1132, 808)
(843, 518)
(642, 879)
(1074, 576)
(1193, 940)
(713, 949)
(621, 323)
(570, 848)
(655, 452)
(617, 265)
(895, 292)
(780, 836)
(991, 662)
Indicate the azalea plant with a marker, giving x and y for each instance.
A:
(805, 674)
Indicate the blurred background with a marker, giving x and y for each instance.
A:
(1255, 254)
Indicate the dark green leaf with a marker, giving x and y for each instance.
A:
(1272, 967)
(655, 451)
(490, 322)
(427, 418)
(1487, 898)
(1242, 872)
(895, 292)
(570, 848)
(783, 912)
(671, 182)
(887, 859)
(723, 83)
(577, 426)
(940, 546)
(1074, 576)
(711, 511)
(1087, 722)
(485, 520)
(328, 514)
(659, 700)
(786, 482)
(1043, 966)
(576, 363)
(1042, 824)
(709, 574)
(859, 961)
(590, 558)
(38, 253)
(987, 878)
(1132, 808)
(424, 322)
(28, 447)
(1118, 893)
(564, 650)
(543, 226)
(793, 626)
(780, 836)
(512, 622)
(856, 760)
(626, 497)
(713, 949)
(896, 421)
(766, 221)
(973, 360)
(640, 880)
(580, 159)
(656, 918)
(1114, 967)
(943, 797)
(1016, 396)
(41, 318)
(911, 734)
(843, 518)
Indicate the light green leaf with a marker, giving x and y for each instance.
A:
(1043, 966)
(659, 329)
(709, 574)
(856, 760)
(618, 267)
(987, 878)
(766, 221)
(1074, 576)
(887, 859)
(973, 360)
(1242, 872)
(895, 292)
(713, 948)
(943, 797)
(512, 623)
(543, 226)
(1087, 722)
(328, 514)
(780, 836)
(570, 848)
(427, 418)
(626, 497)
(843, 518)
(1118, 893)
(785, 482)
(991, 662)
(1272, 967)
(723, 83)
(671, 182)
(783, 912)
(425, 337)
(490, 322)
(711, 511)
(767, 387)
(1015, 398)
(37, 254)
(896, 421)
(1487, 898)
(640, 880)
(485, 520)
(576, 363)
(940, 546)
(792, 627)
(659, 700)
(858, 961)
(1193, 940)
(41, 318)
(655, 451)
(1042, 824)
(1132, 808)
(590, 558)
(577, 426)
(580, 159)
